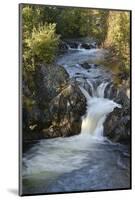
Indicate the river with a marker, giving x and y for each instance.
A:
(88, 161)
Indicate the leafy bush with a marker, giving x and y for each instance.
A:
(118, 36)
(44, 42)
(31, 16)
(41, 46)
(40, 41)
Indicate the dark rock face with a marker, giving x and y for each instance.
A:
(73, 45)
(117, 125)
(66, 110)
(49, 80)
(63, 47)
(86, 65)
(57, 108)
(87, 46)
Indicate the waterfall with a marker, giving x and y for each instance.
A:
(98, 108)
(92, 88)
(79, 46)
(86, 94)
(68, 46)
(101, 89)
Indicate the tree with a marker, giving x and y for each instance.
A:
(44, 42)
(68, 23)
(40, 41)
(118, 36)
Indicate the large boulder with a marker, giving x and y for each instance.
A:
(66, 110)
(86, 65)
(38, 90)
(57, 105)
(49, 81)
(117, 125)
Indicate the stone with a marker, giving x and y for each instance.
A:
(117, 126)
(57, 108)
(66, 110)
(86, 65)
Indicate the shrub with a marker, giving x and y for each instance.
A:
(118, 36)
(44, 42)
(41, 46)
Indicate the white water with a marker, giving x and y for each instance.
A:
(92, 88)
(97, 110)
(98, 107)
(101, 89)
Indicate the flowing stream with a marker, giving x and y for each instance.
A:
(88, 161)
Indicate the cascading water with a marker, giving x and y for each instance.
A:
(101, 89)
(92, 123)
(92, 88)
(79, 46)
(87, 161)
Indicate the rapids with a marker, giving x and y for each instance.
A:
(88, 161)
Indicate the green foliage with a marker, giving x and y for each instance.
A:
(43, 42)
(76, 22)
(69, 22)
(101, 27)
(118, 36)
(94, 24)
(31, 18)
(39, 39)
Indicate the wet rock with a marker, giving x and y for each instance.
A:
(78, 73)
(57, 107)
(95, 65)
(49, 81)
(117, 125)
(87, 46)
(66, 110)
(62, 47)
(73, 45)
(86, 65)
(34, 120)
